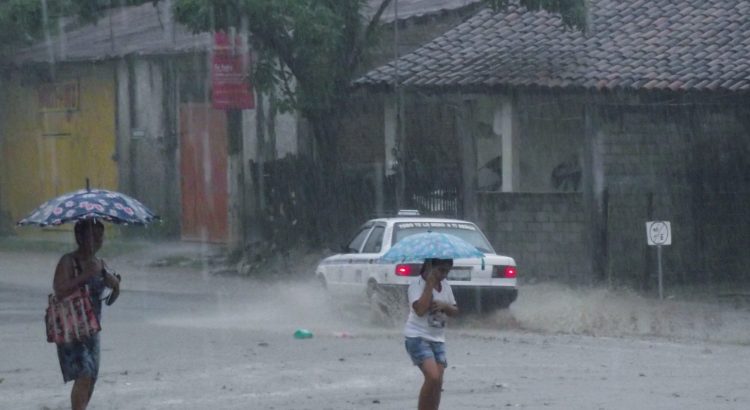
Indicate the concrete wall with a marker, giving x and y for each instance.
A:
(686, 164)
(545, 233)
(645, 156)
(544, 229)
(550, 135)
(147, 138)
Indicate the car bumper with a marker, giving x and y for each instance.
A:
(482, 298)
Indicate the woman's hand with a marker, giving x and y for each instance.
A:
(111, 280)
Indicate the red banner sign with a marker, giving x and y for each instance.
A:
(230, 65)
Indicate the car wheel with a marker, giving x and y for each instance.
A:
(504, 302)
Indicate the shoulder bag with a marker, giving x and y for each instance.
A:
(72, 318)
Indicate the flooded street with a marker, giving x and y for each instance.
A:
(181, 338)
(583, 163)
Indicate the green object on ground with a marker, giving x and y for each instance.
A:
(303, 334)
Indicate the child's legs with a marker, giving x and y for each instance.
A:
(431, 359)
(429, 395)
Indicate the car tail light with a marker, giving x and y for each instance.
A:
(503, 271)
(407, 269)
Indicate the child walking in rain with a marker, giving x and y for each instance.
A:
(431, 301)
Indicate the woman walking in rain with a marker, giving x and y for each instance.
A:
(431, 301)
(79, 360)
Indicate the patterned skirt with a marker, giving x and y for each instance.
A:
(79, 359)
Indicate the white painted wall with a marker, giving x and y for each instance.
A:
(286, 126)
(488, 140)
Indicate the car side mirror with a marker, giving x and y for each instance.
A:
(344, 248)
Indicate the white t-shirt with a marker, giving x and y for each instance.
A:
(430, 326)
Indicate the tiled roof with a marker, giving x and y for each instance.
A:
(140, 30)
(149, 30)
(417, 8)
(644, 44)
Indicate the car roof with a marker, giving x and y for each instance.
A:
(407, 219)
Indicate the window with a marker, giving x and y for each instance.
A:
(375, 241)
(466, 231)
(356, 243)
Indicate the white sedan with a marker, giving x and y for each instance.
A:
(358, 273)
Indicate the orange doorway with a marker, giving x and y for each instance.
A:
(203, 167)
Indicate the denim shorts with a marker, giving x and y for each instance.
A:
(420, 349)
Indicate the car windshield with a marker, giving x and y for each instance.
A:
(464, 230)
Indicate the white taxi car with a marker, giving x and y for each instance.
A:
(358, 273)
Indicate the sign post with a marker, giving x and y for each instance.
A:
(659, 233)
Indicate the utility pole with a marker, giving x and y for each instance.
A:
(401, 181)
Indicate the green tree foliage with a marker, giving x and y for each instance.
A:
(310, 50)
(319, 44)
(21, 21)
(315, 44)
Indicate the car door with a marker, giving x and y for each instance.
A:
(364, 264)
(341, 270)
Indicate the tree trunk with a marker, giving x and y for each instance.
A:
(333, 207)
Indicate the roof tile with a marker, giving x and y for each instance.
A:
(654, 44)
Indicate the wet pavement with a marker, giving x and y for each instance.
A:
(181, 337)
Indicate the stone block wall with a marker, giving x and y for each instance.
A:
(686, 163)
(544, 232)
(660, 163)
(724, 237)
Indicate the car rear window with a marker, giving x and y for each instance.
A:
(466, 231)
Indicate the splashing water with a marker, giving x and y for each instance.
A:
(600, 312)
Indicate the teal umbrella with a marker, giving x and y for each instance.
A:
(426, 245)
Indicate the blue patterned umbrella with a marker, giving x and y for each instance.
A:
(431, 245)
(91, 204)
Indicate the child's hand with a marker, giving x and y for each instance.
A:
(437, 306)
(432, 279)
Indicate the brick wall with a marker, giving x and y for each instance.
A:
(545, 233)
